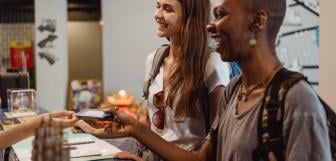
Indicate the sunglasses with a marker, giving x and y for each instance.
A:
(158, 117)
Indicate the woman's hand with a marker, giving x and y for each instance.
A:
(123, 125)
(81, 125)
(128, 155)
(11, 136)
(100, 132)
(65, 119)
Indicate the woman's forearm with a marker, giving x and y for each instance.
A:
(163, 148)
(15, 134)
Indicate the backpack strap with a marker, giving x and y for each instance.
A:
(331, 123)
(160, 54)
(270, 122)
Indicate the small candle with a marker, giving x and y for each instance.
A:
(122, 93)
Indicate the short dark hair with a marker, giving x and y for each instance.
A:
(276, 10)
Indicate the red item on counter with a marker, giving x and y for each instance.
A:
(16, 48)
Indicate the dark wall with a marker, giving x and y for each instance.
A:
(12, 11)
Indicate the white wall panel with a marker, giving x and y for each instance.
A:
(51, 78)
(128, 37)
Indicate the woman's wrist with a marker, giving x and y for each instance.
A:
(136, 129)
(44, 118)
(91, 130)
(36, 122)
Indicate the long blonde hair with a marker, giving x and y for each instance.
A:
(188, 78)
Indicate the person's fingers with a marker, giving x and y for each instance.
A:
(121, 153)
(61, 114)
(109, 128)
(68, 122)
(65, 122)
(78, 123)
(74, 118)
(75, 130)
(82, 124)
(45, 117)
(124, 118)
(72, 115)
(126, 155)
(115, 129)
(110, 109)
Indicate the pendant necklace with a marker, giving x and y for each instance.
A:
(243, 95)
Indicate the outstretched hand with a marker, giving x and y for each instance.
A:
(120, 125)
(65, 119)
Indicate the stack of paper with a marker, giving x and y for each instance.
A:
(84, 147)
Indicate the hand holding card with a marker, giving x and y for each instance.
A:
(94, 113)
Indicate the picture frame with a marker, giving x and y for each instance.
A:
(84, 94)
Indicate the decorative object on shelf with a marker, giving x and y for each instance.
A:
(49, 144)
(47, 28)
(44, 42)
(21, 54)
(126, 102)
(121, 98)
(51, 58)
(21, 103)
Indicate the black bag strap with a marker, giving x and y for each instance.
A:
(159, 56)
(270, 122)
(331, 123)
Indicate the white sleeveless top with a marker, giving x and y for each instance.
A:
(188, 134)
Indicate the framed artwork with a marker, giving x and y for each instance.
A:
(85, 94)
